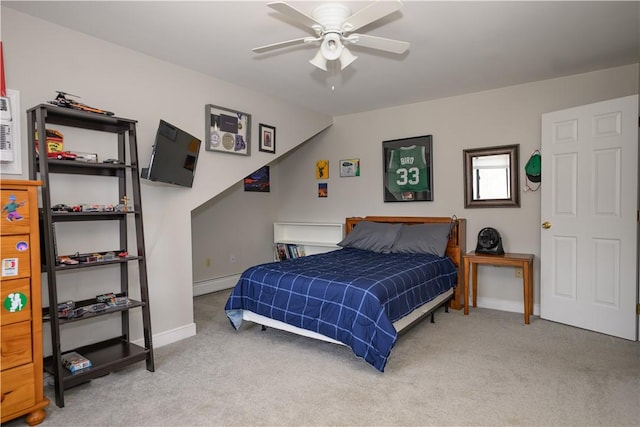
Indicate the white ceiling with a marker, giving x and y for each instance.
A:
(456, 47)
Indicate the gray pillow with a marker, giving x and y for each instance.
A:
(423, 238)
(372, 236)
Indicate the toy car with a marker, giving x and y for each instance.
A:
(87, 157)
(65, 259)
(113, 161)
(61, 207)
(71, 313)
(106, 298)
(98, 307)
(82, 207)
(62, 155)
(123, 208)
(67, 305)
(121, 301)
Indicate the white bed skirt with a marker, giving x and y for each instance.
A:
(399, 325)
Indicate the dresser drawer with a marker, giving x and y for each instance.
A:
(16, 260)
(15, 345)
(15, 211)
(18, 390)
(15, 296)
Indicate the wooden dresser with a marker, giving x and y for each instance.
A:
(21, 311)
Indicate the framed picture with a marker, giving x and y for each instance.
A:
(408, 169)
(322, 169)
(258, 181)
(323, 189)
(350, 167)
(228, 131)
(267, 138)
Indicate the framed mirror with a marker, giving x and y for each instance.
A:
(491, 178)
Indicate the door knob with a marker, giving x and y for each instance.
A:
(546, 225)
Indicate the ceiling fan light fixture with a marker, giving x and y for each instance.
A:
(319, 61)
(333, 24)
(331, 47)
(346, 58)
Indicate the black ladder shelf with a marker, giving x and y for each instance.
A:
(117, 352)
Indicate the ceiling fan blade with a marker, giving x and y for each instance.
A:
(380, 43)
(369, 14)
(287, 43)
(292, 12)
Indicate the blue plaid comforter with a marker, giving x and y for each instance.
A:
(350, 295)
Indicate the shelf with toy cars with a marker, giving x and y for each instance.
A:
(83, 168)
(78, 213)
(66, 223)
(93, 259)
(85, 309)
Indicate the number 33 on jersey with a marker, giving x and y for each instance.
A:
(407, 170)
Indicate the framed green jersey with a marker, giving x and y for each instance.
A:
(408, 169)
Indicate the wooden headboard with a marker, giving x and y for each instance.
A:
(456, 247)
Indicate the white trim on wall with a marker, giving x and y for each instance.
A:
(214, 285)
(170, 336)
(505, 305)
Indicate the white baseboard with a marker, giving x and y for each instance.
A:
(505, 305)
(215, 285)
(168, 337)
(189, 330)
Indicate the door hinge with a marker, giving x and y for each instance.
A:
(638, 309)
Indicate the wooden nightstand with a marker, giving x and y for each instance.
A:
(524, 261)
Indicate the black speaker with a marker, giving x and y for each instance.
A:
(489, 242)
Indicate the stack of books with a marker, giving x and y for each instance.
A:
(289, 251)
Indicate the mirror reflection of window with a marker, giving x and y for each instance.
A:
(491, 177)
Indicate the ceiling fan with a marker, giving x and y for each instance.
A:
(333, 25)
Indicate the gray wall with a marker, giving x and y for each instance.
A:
(41, 58)
(510, 115)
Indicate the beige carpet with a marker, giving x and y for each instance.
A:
(486, 369)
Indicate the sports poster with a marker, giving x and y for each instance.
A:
(322, 169)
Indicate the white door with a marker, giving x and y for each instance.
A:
(589, 230)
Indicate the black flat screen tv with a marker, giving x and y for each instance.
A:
(174, 156)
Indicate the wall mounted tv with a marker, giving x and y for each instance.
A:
(174, 156)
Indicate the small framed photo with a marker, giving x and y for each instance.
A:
(408, 169)
(267, 138)
(323, 189)
(259, 181)
(228, 131)
(350, 167)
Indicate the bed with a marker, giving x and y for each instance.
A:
(390, 273)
